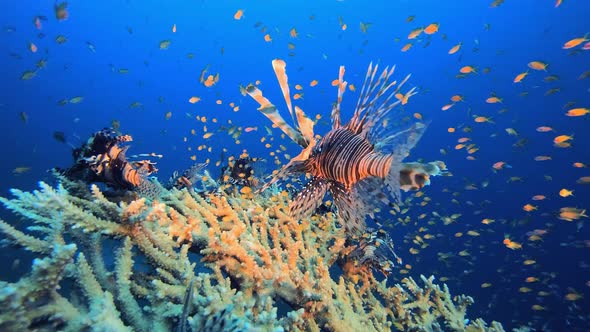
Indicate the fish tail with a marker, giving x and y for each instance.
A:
(405, 140)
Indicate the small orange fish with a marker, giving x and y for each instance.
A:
(493, 100)
(566, 193)
(267, 38)
(520, 77)
(33, 47)
(293, 33)
(558, 3)
(578, 112)
(406, 47)
(455, 48)
(529, 207)
(562, 138)
(579, 165)
(467, 70)
(415, 33)
(574, 42)
(511, 245)
(538, 65)
(431, 28)
(457, 98)
(238, 14)
(539, 197)
(571, 214)
(313, 83)
(544, 129)
(481, 119)
(174, 28)
(451, 130)
(447, 106)
(500, 165)
(194, 100)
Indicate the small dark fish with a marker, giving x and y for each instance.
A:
(59, 136)
(61, 39)
(61, 11)
(164, 44)
(27, 75)
(24, 117)
(41, 63)
(116, 125)
(91, 47)
(584, 75)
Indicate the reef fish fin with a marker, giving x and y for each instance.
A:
(271, 112)
(351, 214)
(336, 109)
(309, 198)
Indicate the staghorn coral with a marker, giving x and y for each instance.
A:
(212, 262)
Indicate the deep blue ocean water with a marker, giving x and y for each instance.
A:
(107, 36)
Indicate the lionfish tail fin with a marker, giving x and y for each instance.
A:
(414, 176)
(405, 141)
(309, 198)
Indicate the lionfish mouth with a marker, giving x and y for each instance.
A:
(358, 162)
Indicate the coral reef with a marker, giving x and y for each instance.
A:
(189, 261)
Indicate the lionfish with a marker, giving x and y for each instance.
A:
(353, 161)
(103, 159)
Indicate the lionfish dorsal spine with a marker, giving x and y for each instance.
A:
(335, 116)
(365, 103)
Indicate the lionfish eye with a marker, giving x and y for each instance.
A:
(316, 150)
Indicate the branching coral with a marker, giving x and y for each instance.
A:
(253, 262)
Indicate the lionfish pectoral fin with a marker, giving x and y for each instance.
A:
(292, 168)
(309, 198)
(271, 112)
(279, 66)
(350, 214)
(305, 125)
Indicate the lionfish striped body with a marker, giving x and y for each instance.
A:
(353, 162)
